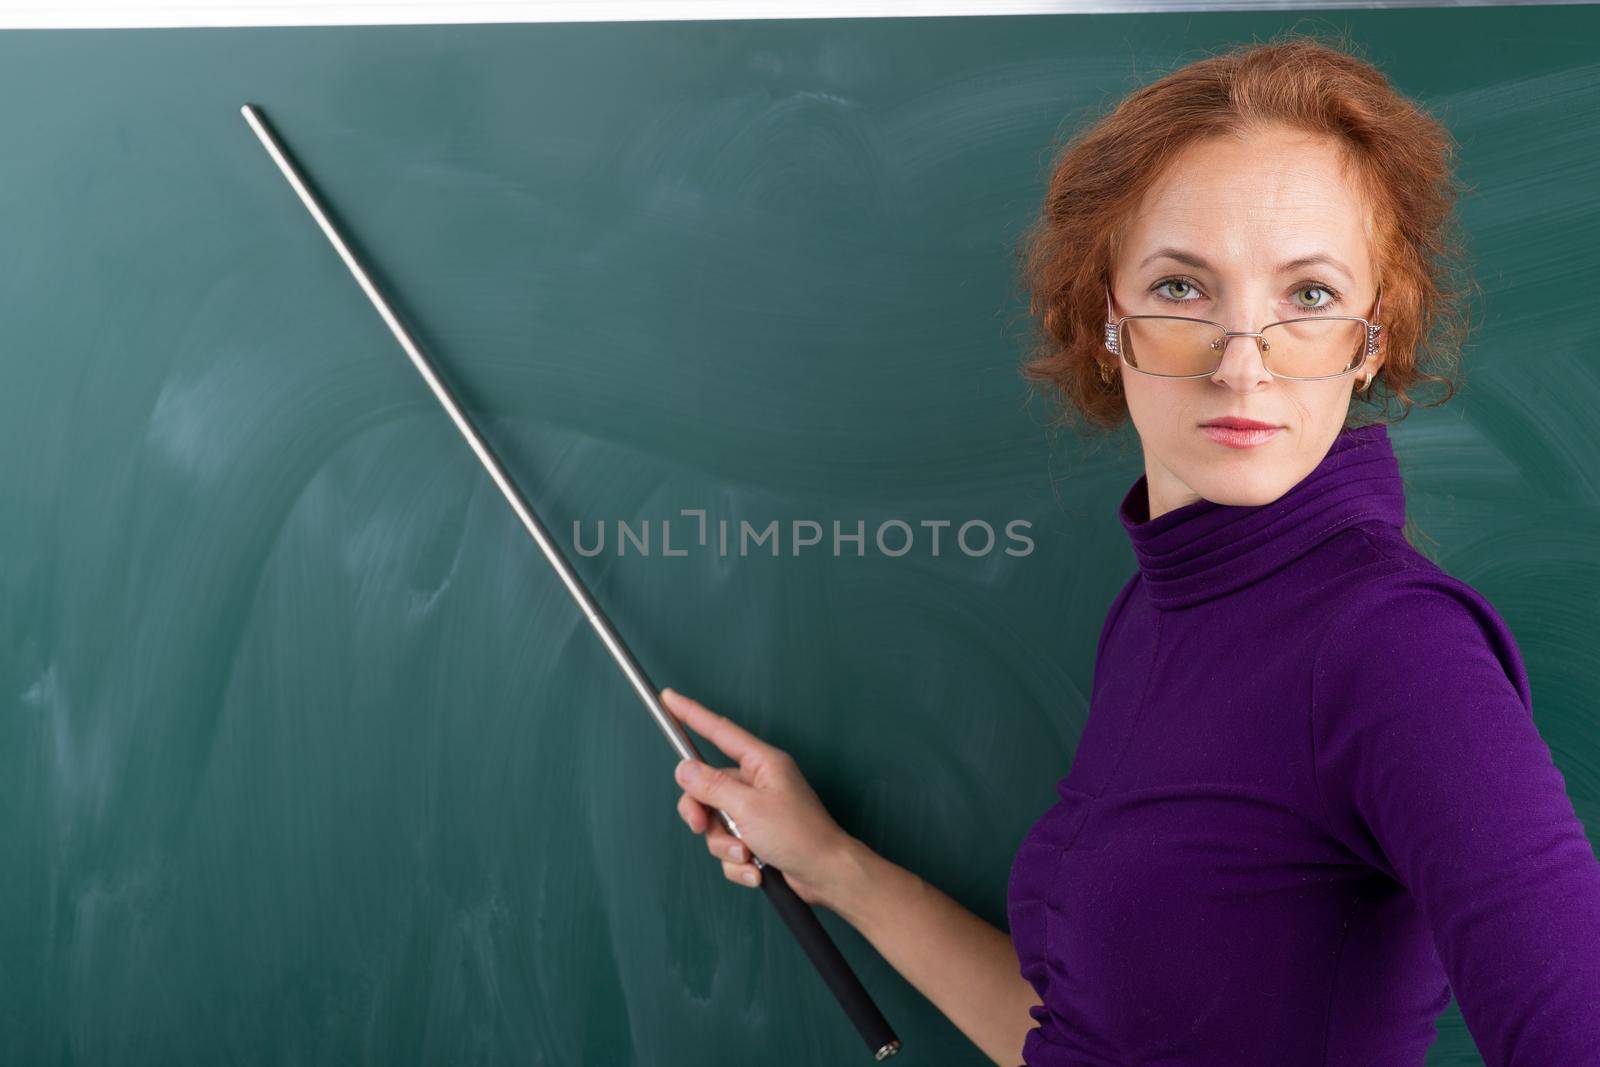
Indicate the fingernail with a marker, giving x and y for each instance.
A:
(686, 771)
(737, 852)
(749, 877)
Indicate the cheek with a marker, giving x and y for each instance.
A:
(1143, 409)
(1320, 405)
(1166, 413)
(1157, 405)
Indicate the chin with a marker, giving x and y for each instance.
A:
(1247, 485)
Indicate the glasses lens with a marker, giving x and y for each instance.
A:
(1314, 348)
(1158, 345)
(1305, 348)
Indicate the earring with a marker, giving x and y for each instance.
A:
(1105, 374)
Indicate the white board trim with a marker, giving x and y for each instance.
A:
(119, 14)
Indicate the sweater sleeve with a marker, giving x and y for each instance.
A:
(1431, 769)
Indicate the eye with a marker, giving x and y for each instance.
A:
(1327, 291)
(1163, 289)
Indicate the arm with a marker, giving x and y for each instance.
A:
(1430, 768)
(965, 966)
(920, 931)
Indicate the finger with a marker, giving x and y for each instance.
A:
(743, 873)
(717, 787)
(693, 813)
(738, 743)
(726, 846)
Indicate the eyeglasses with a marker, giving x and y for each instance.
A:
(1305, 349)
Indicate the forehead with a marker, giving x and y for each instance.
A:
(1247, 200)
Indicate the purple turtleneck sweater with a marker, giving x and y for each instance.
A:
(1309, 803)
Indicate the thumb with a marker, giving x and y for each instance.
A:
(717, 786)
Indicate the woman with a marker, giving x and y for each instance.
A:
(1310, 800)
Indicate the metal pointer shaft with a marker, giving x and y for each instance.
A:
(801, 920)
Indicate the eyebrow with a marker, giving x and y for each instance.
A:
(1192, 260)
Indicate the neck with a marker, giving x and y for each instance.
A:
(1193, 552)
(1165, 490)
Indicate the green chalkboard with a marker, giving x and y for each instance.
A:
(306, 756)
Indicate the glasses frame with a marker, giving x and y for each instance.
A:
(1114, 345)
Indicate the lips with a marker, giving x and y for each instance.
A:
(1232, 423)
(1239, 433)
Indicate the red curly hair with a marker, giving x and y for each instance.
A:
(1401, 155)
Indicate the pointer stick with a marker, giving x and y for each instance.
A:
(801, 920)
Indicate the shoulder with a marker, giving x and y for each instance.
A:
(1114, 613)
(1404, 624)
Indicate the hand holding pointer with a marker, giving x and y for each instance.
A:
(777, 812)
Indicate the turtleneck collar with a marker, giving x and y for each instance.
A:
(1204, 550)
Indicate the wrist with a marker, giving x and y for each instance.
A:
(859, 874)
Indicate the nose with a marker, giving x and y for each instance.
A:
(1243, 364)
